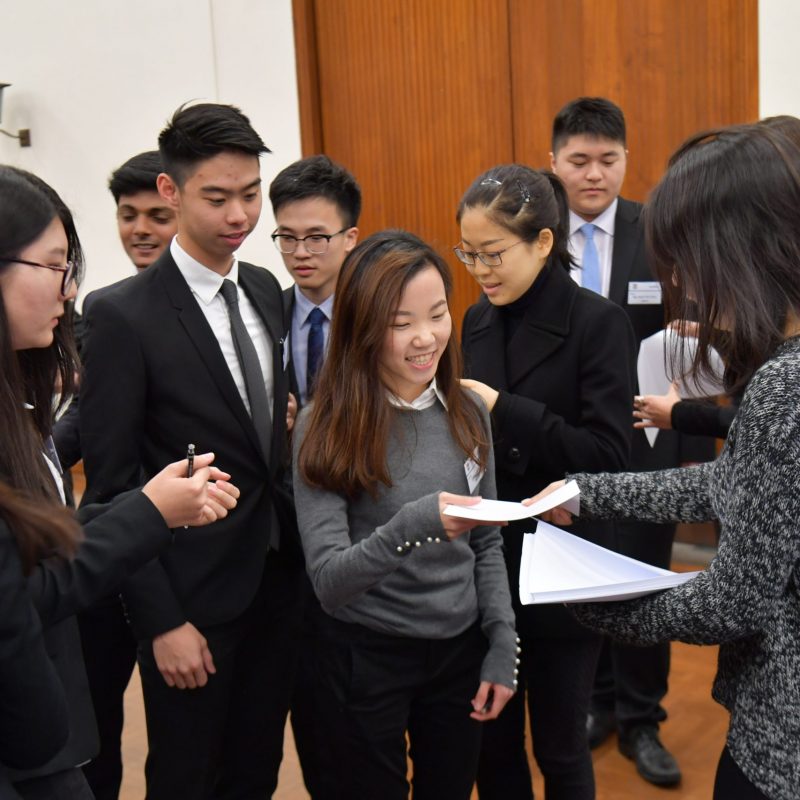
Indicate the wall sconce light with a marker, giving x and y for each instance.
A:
(24, 134)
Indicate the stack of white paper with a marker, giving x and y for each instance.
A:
(558, 567)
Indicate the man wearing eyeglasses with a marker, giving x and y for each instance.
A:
(316, 205)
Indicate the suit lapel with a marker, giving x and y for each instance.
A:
(203, 340)
(626, 239)
(544, 328)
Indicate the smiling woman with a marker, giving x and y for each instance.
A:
(418, 600)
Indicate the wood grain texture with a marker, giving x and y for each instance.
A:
(417, 97)
(673, 66)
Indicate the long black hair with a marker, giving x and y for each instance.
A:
(27, 206)
(723, 232)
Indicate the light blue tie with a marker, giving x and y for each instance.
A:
(591, 260)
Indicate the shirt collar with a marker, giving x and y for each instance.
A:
(204, 282)
(304, 306)
(605, 221)
(425, 400)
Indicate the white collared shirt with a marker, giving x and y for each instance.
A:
(425, 400)
(205, 285)
(603, 240)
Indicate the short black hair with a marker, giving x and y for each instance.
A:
(318, 176)
(199, 132)
(590, 116)
(137, 174)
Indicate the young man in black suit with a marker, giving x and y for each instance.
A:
(190, 351)
(146, 226)
(607, 240)
(316, 204)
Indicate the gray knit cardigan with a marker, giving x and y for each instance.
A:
(748, 600)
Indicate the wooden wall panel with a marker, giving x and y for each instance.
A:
(674, 67)
(415, 99)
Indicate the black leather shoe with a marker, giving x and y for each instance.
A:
(599, 726)
(653, 761)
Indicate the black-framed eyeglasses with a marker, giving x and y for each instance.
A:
(316, 243)
(494, 259)
(68, 271)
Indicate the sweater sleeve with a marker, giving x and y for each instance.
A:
(340, 570)
(670, 495)
(759, 545)
(500, 665)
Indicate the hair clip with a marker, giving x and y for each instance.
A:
(526, 195)
(491, 182)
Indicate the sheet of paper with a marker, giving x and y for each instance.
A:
(504, 511)
(558, 567)
(655, 375)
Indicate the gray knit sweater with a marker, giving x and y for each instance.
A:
(363, 571)
(748, 599)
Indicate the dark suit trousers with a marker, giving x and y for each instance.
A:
(631, 681)
(377, 688)
(109, 652)
(225, 740)
(556, 676)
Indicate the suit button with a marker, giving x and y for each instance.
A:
(513, 454)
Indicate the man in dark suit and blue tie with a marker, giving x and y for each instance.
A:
(316, 204)
(606, 239)
(191, 351)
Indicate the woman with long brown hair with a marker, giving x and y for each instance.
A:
(418, 632)
(65, 569)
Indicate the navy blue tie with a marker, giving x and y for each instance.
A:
(316, 346)
(591, 260)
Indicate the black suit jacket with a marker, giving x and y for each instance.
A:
(629, 263)
(155, 380)
(118, 539)
(288, 311)
(566, 392)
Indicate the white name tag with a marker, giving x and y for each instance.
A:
(644, 293)
(474, 474)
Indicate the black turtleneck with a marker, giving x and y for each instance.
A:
(513, 313)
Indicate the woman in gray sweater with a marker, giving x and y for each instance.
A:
(418, 633)
(723, 226)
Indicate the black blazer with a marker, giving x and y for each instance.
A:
(155, 380)
(566, 394)
(118, 539)
(629, 263)
(288, 311)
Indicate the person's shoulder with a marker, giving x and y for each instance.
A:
(260, 275)
(629, 210)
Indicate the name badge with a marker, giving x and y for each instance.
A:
(286, 351)
(644, 293)
(474, 474)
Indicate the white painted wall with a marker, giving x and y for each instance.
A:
(778, 78)
(96, 81)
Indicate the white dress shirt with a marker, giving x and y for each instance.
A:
(425, 400)
(205, 285)
(603, 240)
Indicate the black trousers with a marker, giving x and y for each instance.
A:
(379, 688)
(109, 652)
(313, 747)
(556, 676)
(631, 681)
(732, 784)
(69, 784)
(225, 740)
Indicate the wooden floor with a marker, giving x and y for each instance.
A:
(695, 733)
